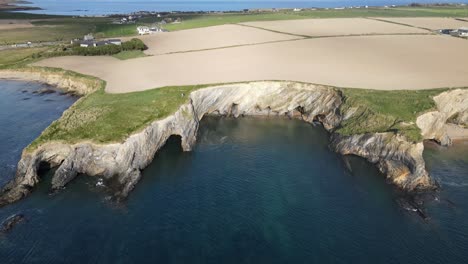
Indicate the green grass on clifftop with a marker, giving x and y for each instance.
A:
(12, 58)
(102, 117)
(386, 111)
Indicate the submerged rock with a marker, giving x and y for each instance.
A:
(11, 222)
(46, 91)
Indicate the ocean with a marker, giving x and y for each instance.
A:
(251, 191)
(104, 7)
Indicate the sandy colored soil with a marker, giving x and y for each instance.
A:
(433, 23)
(335, 27)
(14, 24)
(375, 62)
(208, 38)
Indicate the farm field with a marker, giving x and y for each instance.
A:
(209, 38)
(335, 27)
(375, 62)
(204, 20)
(432, 23)
(23, 27)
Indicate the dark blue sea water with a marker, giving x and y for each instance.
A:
(251, 191)
(100, 7)
(24, 113)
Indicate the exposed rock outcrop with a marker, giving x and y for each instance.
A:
(11, 222)
(68, 83)
(400, 160)
(450, 104)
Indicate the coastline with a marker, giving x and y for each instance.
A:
(401, 161)
(16, 5)
(66, 81)
(217, 8)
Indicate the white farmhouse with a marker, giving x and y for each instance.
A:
(143, 30)
(463, 32)
(88, 37)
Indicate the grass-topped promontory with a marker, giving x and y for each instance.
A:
(101, 117)
(386, 111)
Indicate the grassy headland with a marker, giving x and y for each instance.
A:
(101, 117)
(386, 111)
(18, 57)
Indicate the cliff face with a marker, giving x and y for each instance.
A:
(450, 104)
(68, 84)
(400, 160)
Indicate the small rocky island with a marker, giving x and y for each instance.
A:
(397, 155)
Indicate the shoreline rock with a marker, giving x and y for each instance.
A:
(11, 222)
(433, 125)
(122, 163)
(67, 84)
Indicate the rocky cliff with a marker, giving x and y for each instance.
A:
(451, 106)
(121, 163)
(68, 82)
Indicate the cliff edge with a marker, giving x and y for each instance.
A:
(401, 160)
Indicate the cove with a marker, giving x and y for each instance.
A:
(252, 190)
(26, 109)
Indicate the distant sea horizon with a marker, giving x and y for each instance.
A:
(107, 7)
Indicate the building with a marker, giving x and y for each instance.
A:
(88, 37)
(445, 31)
(115, 41)
(94, 43)
(87, 43)
(461, 32)
(143, 30)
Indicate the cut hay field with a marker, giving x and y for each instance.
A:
(209, 38)
(375, 62)
(335, 27)
(433, 23)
